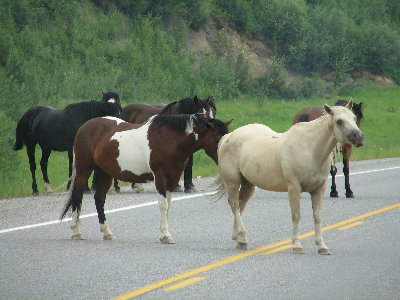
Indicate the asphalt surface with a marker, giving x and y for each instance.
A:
(38, 260)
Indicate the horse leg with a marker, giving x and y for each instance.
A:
(43, 165)
(239, 233)
(164, 203)
(333, 172)
(76, 233)
(116, 186)
(294, 192)
(104, 182)
(246, 192)
(30, 150)
(78, 184)
(139, 188)
(188, 175)
(317, 197)
(346, 157)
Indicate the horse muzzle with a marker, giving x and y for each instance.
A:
(357, 138)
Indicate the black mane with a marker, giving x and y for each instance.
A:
(179, 122)
(189, 105)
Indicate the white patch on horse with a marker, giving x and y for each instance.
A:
(211, 114)
(112, 100)
(189, 125)
(118, 120)
(134, 150)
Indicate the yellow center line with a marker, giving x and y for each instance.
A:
(184, 283)
(279, 249)
(237, 257)
(350, 225)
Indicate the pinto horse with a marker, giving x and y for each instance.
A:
(312, 113)
(138, 113)
(255, 155)
(157, 150)
(55, 129)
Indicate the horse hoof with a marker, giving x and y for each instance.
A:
(242, 246)
(35, 194)
(77, 237)
(323, 251)
(298, 251)
(334, 194)
(349, 195)
(110, 237)
(178, 189)
(167, 240)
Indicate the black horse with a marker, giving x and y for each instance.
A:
(55, 129)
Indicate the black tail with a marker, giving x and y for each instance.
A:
(19, 132)
(73, 202)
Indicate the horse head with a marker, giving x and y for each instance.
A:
(210, 132)
(113, 103)
(345, 126)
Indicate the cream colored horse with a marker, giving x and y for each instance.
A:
(295, 161)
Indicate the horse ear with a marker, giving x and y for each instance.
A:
(195, 98)
(349, 105)
(227, 123)
(328, 109)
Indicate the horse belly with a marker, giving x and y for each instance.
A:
(263, 169)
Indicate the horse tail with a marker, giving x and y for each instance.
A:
(19, 133)
(73, 202)
(221, 190)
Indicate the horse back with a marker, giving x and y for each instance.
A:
(138, 113)
(308, 114)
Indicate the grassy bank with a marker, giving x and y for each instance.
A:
(381, 127)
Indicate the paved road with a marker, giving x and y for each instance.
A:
(39, 261)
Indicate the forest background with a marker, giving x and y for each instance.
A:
(262, 60)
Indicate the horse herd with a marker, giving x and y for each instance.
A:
(141, 143)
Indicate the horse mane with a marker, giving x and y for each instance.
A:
(87, 108)
(187, 105)
(167, 109)
(176, 122)
(182, 122)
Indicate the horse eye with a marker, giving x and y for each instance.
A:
(339, 122)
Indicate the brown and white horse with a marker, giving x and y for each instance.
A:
(295, 161)
(311, 113)
(137, 113)
(157, 150)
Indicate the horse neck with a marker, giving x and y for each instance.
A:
(321, 138)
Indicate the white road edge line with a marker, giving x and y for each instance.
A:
(107, 212)
(154, 203)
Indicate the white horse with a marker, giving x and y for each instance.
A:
(295, 161)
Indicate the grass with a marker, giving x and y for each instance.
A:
(381, 127)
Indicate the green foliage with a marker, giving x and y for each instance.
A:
(59, 52)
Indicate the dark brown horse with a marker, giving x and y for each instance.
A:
(157, 150)
(138, 113)
(312, 113)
